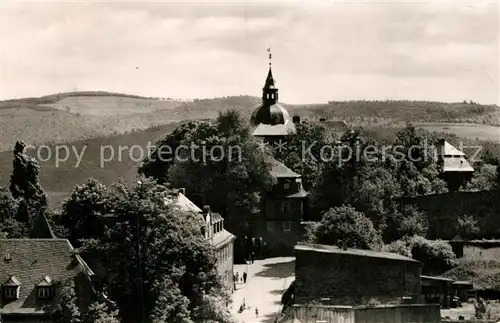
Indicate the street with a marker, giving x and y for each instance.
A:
(266, 281)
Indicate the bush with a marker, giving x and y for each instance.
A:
(436, 256)
(345, 227)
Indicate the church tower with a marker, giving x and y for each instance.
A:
(270, 120)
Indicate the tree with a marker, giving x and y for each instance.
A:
(82, 208)
(9, 226)
(99, 312)
(166, 264)
(303, 151)
(467, 225)
(436, 256)
(345, 227)
(224, 170)
(163, 154)
(24, 186)
(409, 222)
(67, 310)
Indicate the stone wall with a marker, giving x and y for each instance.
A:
(371, 314)
(352, 279)
(443, 210)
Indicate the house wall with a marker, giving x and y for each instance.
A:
(353, 279)
(225, 262)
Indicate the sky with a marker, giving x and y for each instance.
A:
(322, 50)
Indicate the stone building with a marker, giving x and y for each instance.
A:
(29, 272)
(353, 276)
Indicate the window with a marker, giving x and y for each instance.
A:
(286, 226)
(285, 206)
(43, 292)
(286, 185)
(270, 226)
(10, 292)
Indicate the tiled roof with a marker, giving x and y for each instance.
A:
(215, 217)
(349, 251)
(186, 204)
(279, 170)
(31, 260)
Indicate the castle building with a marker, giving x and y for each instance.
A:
(278, 225)
(271, 121)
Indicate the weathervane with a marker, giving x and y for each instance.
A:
(270, 56)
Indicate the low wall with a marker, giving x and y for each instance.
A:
(414, 313)
(398, 314)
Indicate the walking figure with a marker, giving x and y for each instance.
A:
(256, 312)
(243, 305)
(244, 278)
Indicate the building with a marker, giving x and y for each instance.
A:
(277, 228)
(353, 276)
(271, 121)
(29, 272)
(219, 237)
(455, 168)
(283, 209)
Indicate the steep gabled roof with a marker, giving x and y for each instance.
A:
(279, 170)
(31, 261)
(41, 229)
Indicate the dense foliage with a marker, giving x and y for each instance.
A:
(223, 168)
(436, 255)
(167, 270)
(345, 227)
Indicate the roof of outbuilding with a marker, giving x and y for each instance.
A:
(30, 261)
(353, 252)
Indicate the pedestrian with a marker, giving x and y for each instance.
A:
(244, 278)
(237, 279)
(252, 256)
(244, 305)
(256, 311)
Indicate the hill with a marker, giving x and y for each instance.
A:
(60, 179)
(77, 116)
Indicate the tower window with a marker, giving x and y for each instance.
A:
(286, 226)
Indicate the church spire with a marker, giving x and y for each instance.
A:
(269, 92)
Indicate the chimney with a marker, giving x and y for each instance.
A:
(182, 191)
(322, 119)
(296, 119)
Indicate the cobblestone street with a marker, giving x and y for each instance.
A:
(266, 281)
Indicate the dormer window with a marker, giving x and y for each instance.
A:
(43, 287)
(11, 288)
(43, 292)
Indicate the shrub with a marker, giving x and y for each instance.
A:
(435, 255)
(345, 227)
